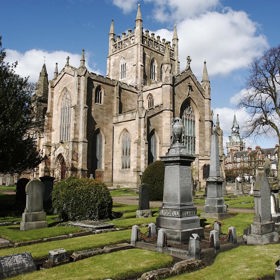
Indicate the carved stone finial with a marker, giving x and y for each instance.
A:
(67, 60)
(188, 62)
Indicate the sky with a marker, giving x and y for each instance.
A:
(227, 34)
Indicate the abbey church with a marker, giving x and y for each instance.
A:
(112, 127)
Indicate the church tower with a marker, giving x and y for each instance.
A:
(235, 144)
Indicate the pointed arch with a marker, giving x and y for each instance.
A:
(98, 96)
(60, 167)
(126, 147)
(122, 68)
(150, 101)
(98, 144)
(189, 121)
(152, 147)
(153, 70)
(65, 116)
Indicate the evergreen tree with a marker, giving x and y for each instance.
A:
(17, 144)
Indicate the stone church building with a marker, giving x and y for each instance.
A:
(112, 127)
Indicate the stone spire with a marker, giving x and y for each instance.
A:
(235, 125)
(43, 83)
(139, 14)
(138, 26)
(205, 77)
(175, 43)
(111, 36)
(55, 74)
(83, 60)
(112, 28)
(218, 121)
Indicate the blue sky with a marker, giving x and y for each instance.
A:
(228, 34)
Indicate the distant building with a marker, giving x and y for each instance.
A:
(111, 127)
(244, 162)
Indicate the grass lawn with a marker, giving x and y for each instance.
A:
(107, 266)
(41, 250)
(14, 234)
(244, 262)
(123, 192)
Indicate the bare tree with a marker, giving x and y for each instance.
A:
(262, 98)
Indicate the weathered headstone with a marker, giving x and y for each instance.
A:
(57, 256)
(262, 230)
(152, 230)
(214, 203)
(135, 232)
(194, 246)
(178, 215)
(34, 215)
(161, 240)
(143, 202)
(214, 239)
(218, 227)
(13, 265)
(232, 236)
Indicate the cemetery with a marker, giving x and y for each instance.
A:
(120, 233)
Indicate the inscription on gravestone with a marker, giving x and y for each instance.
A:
(13, 265)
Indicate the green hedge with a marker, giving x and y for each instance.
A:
(154, 177)
(80, 199)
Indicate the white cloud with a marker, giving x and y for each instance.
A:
(126, 5)
(30, 62)
(178, 10)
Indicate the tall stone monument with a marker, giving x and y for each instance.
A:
(178, 216)
(262, 230)
(214, 203)
(34, 215)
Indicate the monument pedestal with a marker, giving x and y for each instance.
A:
(33, 220)
(178, 216)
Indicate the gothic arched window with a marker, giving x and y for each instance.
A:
(125, 150)
(123, 68)
(98, 149)
(153, 68)
(188, 119)
(150, 101)
(98, 95)
(152, 147)
(65, 117)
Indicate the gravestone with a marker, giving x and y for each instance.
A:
(232, 236)
(194, 246)
(152, 230)
(214, 203)
(34, 215)
(274, 199)
(135, 235)
(277, 270)
(161, 240)
(262, 230)
(20, 193)
(178, 215)
(214, 239)
(13, 265)
(57, 256)
(47, 194)
(143, 202)
(218, 227)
